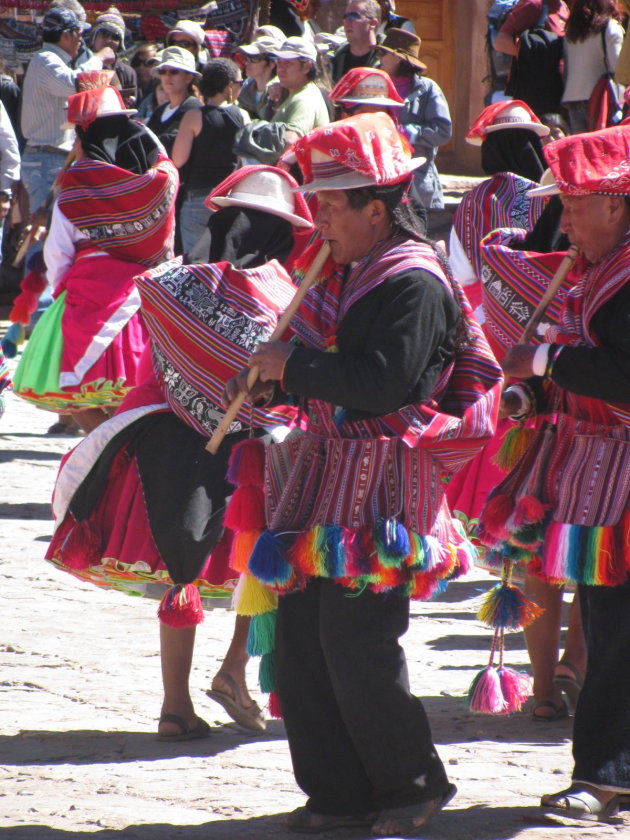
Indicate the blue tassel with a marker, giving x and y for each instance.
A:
(268, 561)
(335, 553)
(392, 541)
(261, 635)
(267, 673)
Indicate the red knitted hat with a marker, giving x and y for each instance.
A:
(360, 151)
(85, 107)
(595, 163)
(367, 86)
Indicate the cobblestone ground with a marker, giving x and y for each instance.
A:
(80, 694)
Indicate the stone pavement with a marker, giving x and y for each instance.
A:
(80, 693)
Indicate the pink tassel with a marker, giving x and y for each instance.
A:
(528, 509)
(247, 463)
(496, 513)
(484, 695)
(516, 688)
(274, 706)
(181, 606)
(246, 510)
(82, 547)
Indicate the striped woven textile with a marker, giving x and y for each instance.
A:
(5, 379)
(204, 322)
(598, 284)
(513, 283)
(499, 202)
(459, 419)
(130, 216)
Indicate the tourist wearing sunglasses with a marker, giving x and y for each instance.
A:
(177, 73)
(360, 22)
(260, 69)
(109, 31)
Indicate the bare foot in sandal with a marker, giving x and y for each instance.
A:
(233, 695)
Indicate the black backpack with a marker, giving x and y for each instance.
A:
(535, 75)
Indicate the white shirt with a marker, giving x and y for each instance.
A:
(9, 152)
(584, 61)
(48, 82)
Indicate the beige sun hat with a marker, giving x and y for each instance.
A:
(178, 58)
(267, 190)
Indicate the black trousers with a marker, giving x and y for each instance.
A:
(601, 731)
(359, 740)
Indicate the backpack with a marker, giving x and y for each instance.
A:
(498, 63)
(535, 73)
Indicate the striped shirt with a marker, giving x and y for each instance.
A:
(48, 83)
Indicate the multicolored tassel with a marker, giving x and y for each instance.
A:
(247, 463)
(181, 606)
(505, 607)
(516, 441)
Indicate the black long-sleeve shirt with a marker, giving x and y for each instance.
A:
(601, 372)
(393, 344)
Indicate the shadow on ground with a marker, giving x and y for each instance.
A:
(476, 823)
(93, 746)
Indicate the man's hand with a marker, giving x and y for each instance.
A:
(270, 358)
(259, 394)
(510, 404)
(518, 361)
(107, 56)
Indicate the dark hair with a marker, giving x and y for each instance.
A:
(312, 73)
(217, 75)
(588, 17)
(555, 120)
(405, 221)
(52, 37)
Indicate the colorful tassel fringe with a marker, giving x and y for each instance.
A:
(274, 705)
(506, 608)
(181, 606)
(82, 547)
(267, 673)
(485, 695)
(261, 635)
(252, 598)
(247, 463)
(516, 442)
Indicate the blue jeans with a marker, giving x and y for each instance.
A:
(193, 218)
(39, 170)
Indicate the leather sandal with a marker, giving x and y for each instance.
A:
(579, 804)
(251, 717)
(569, 684)
(559, 711)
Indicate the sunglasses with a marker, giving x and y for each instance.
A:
(109, 33)
(238, 82)
(143, 62)
(187, 45)
(168, 71)
(255, 59)
(354, 16)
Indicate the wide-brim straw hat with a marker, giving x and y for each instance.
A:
(265, 188)
(500, 116)
(404, 45)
